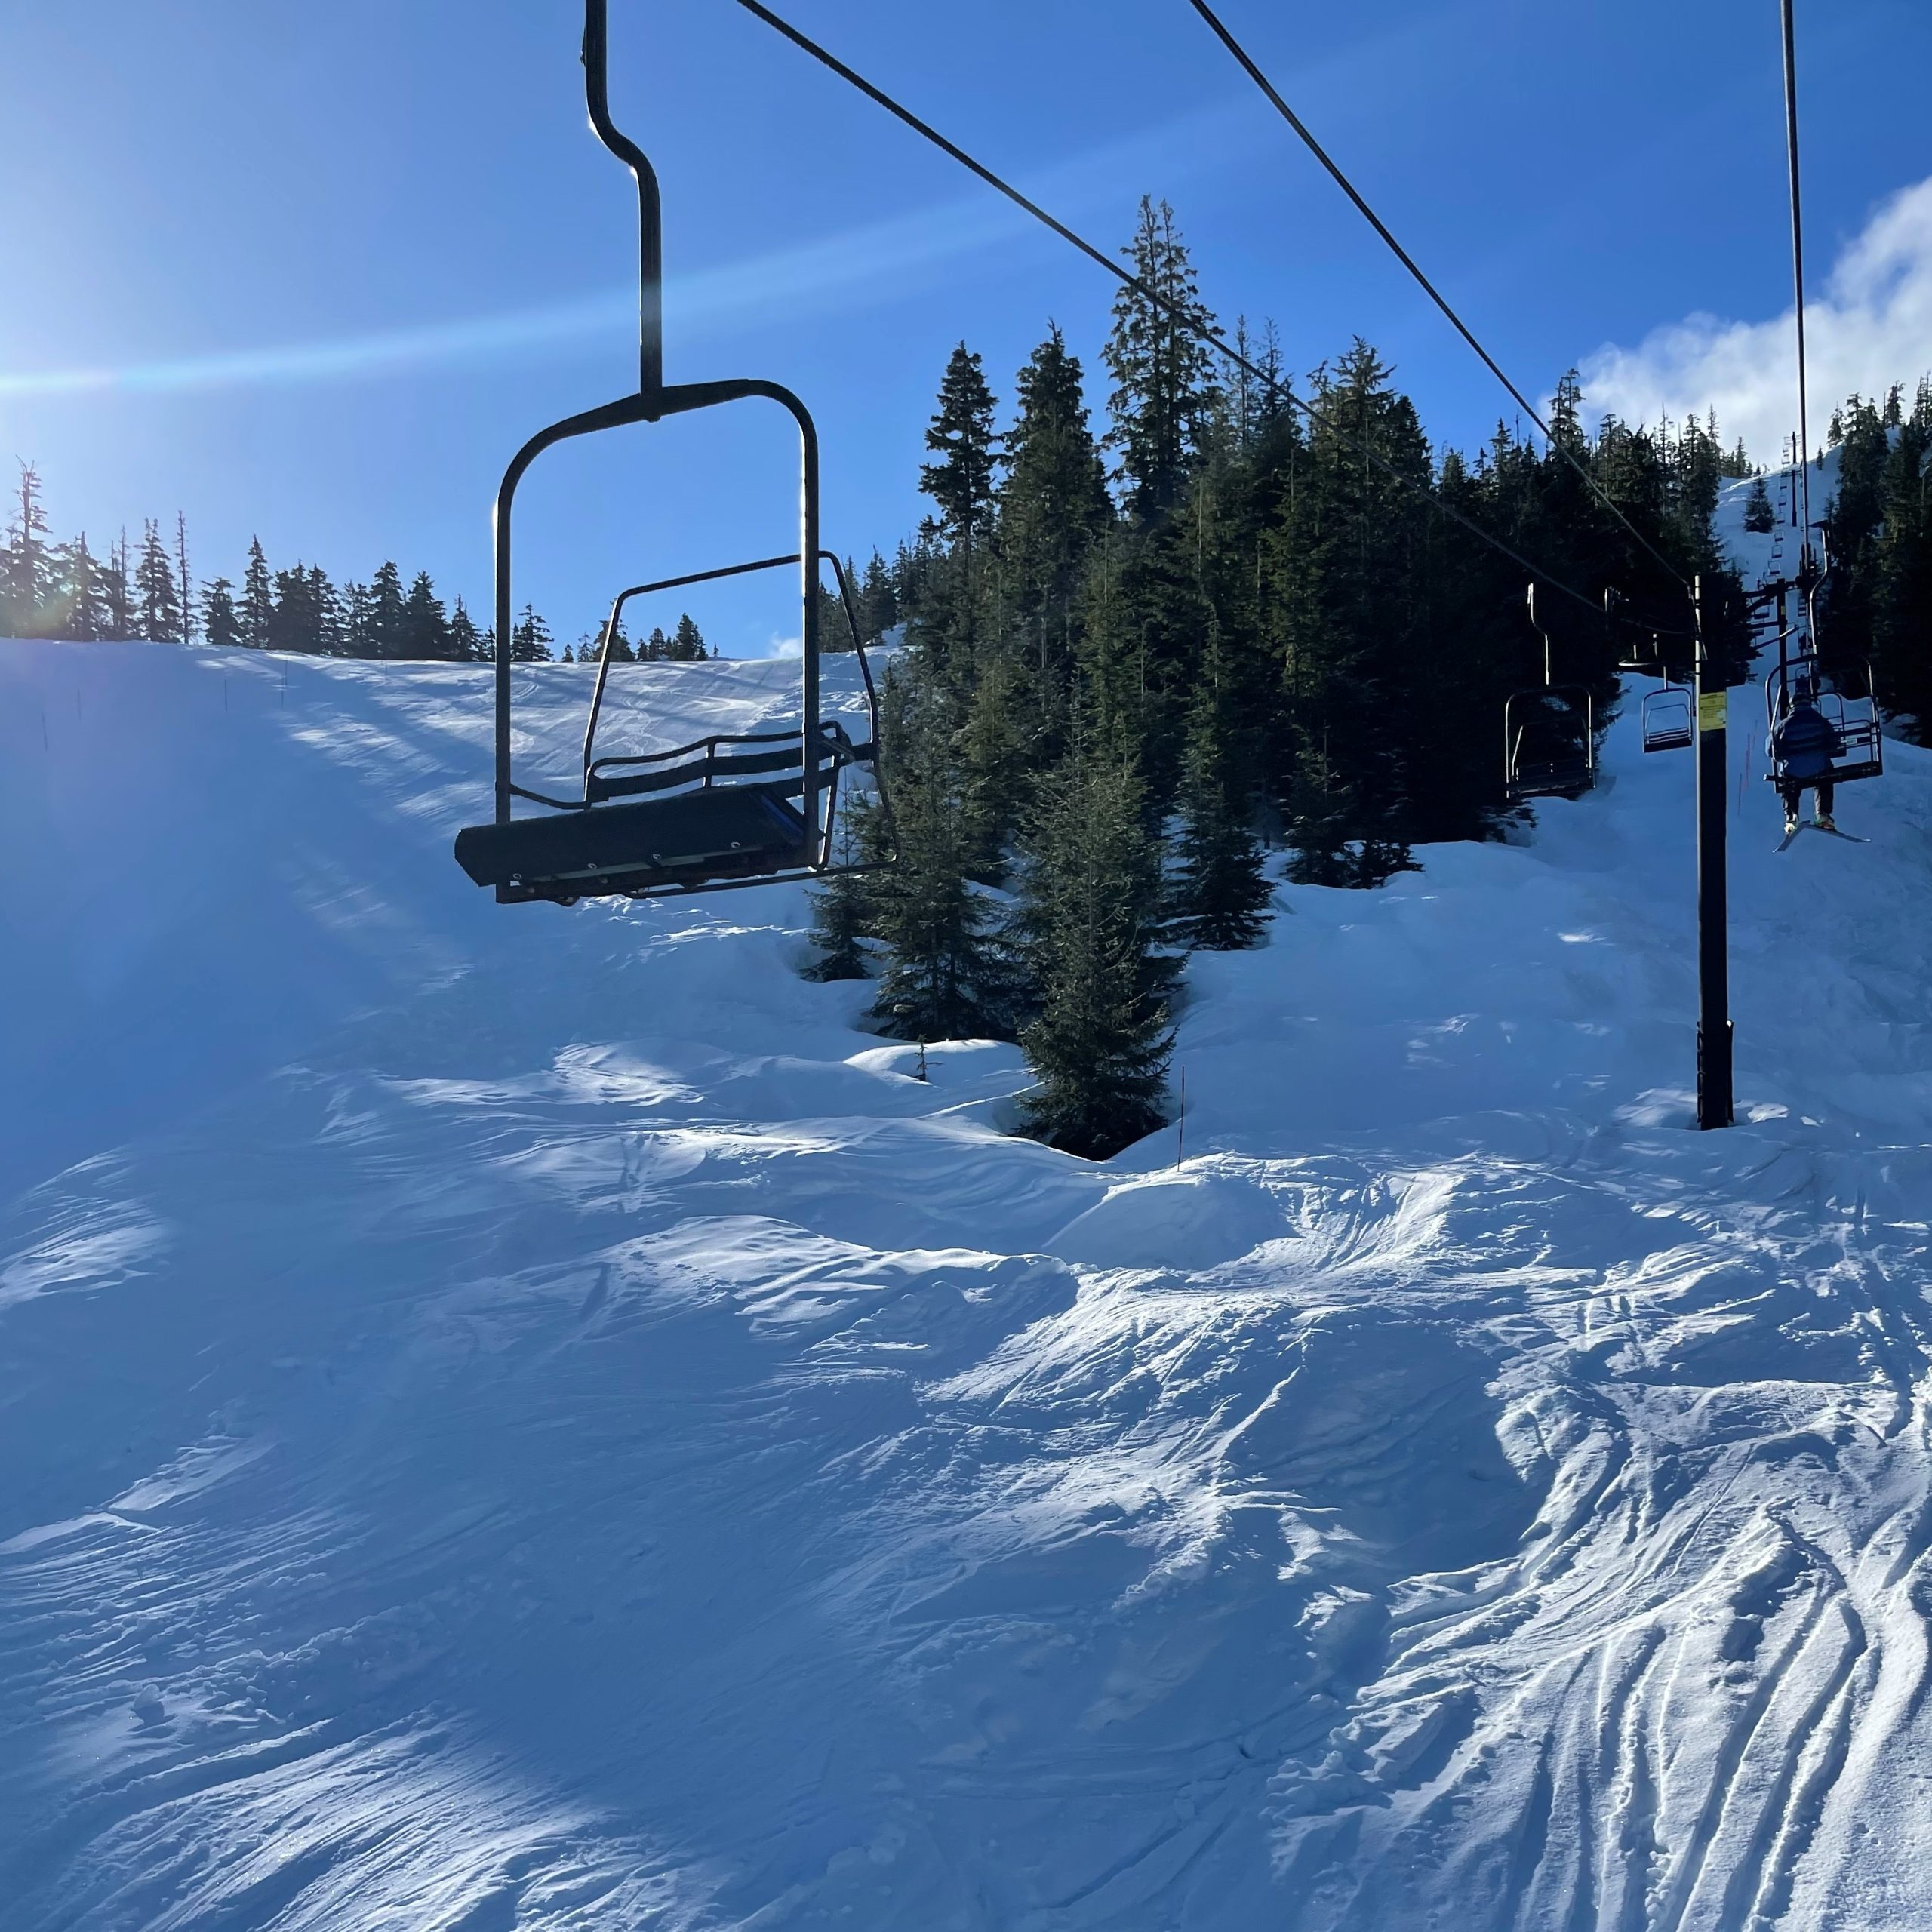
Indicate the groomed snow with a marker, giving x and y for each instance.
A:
(521, 1419)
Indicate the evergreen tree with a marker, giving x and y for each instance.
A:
(1901, 564)
(28, 581)
(840, 909)
(941, 978)
(221, 623)
(834, 633)
(1349, 602)
(326, 614)
(1222, 894)
(85, 609)
(960, 437)
(995, 751)
(357, 621)
(1053, 507)
(292, 621)
(424, 628)
(467, 644)
(1101, 1044)
(257, 610)
(386, 624)
(154, 584)
(688, 644)
(656, 647)
(1162, 371)
(1758, 517)
(1852, 528)
(118, 591)
(878, 600)
(530, 639)
(187, 583)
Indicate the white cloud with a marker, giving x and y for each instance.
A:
(1873, 328)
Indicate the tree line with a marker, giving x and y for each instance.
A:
(65, 588)
(1144, 659)
(1877, 602)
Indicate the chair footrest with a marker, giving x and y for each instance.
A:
(730, 832)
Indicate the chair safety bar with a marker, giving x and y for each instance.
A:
(612, 623)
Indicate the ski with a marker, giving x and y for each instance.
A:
(1829, 830)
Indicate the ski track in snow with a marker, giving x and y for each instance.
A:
(519, 1419)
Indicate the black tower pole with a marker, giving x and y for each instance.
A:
(1714, 1030)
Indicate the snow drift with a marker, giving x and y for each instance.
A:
(527, 1418)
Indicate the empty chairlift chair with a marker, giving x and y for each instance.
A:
(1550, 736)
(724, 810)
(1667, 718)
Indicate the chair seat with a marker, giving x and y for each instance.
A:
(727, 832)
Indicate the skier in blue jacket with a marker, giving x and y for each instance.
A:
(1802, 749)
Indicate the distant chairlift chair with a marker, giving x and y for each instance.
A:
(1549, 738)
(1666, 718)
(724, 811)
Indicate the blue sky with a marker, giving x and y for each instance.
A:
(315, 273)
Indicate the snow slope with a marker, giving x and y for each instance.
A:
(521, 1418)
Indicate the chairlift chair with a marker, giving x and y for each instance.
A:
(1666, 718)
(1550, 736)
(726, 811)
(1861, 752)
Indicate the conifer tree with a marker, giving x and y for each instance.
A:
(356, 640)
(960, 480)
(1758, 516)
(118, 591)
(221, 623)
(1101, 1043)
(1348, 600)
(688, 644)
(467, 644)
(85, 611)
(386, 622)
(154, 584)
(292, 622)
(29, 558)
(994, 751)
(840, 908)
(257, 609)
(656, 647)
(530, 639)
(1162, 371)
(1222, 893)
(834, 633)
(424, 628)
(326, 614)
(941, 978)
(1052, 506)
(878, 600)
(186, 582)
(1901, 564)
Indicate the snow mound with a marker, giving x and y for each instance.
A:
(529, 1419)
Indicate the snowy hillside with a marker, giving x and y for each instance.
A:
(527, 1418)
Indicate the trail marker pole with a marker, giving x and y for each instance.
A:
(1715, 1098)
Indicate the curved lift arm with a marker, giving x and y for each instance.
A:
(653, 401)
